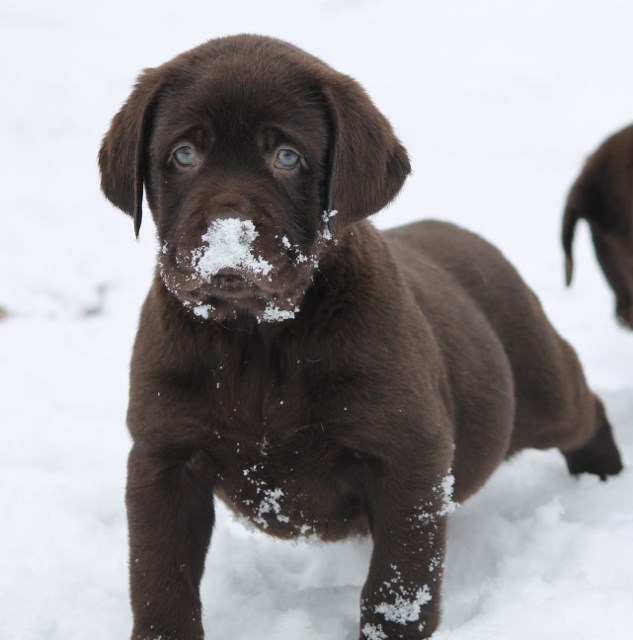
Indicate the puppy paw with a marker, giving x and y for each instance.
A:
(599, 456)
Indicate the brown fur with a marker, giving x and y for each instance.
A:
(415, 354)
(603, 196)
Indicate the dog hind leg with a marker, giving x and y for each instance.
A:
(600, 455)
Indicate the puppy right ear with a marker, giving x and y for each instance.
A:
(123, 153)
(368, 164)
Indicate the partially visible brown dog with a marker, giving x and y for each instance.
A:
(319, 377)
(603, 196)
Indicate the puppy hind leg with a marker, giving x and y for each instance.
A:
(600, 455)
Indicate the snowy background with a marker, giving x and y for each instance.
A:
(498, 103)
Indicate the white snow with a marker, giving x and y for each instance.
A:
(228, 243)
(427, 512)
(404, 609)
(373, 632)
(272, 313)
(446, 488)
(270, 504)
(498, 104)
(203, 310)
(402, 605)
(326, 217)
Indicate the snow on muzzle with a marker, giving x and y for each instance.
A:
(229, 244)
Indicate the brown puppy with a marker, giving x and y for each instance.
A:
(603, 195)
(319, 377)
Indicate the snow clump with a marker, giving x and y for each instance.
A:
(229, 243)
(404, 610)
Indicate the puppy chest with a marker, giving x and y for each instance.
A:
(295, 490)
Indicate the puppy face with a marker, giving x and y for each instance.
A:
(245, 146)
(237, 180)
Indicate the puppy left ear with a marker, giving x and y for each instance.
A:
(368, 165)
(123, 152)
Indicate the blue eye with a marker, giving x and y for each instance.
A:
(287, 159)
(185, 155)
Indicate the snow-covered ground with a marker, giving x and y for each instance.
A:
(497, 102)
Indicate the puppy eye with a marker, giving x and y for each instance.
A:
(287, 159)
(185, 155)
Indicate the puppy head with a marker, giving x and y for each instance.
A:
(603, 196)
(254, 157)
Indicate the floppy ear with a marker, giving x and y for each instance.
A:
(123, 153)
(368, 165)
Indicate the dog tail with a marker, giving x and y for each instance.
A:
(570, 218)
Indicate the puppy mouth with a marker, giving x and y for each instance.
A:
(228, 283)
(231, 274)
(228, 295)
(226, 260)
(237, 268)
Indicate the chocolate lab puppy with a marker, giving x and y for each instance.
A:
(319, 377)
(603, 195)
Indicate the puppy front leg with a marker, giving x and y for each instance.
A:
(401, 597)
(170, 517)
